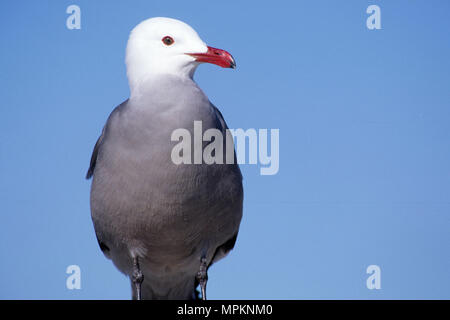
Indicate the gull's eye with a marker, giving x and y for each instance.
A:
(168, 41)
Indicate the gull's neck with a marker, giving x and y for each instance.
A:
(140, 80)
(145, 84)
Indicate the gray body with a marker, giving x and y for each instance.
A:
(143, 205)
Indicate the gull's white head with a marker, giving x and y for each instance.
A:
(167, 46)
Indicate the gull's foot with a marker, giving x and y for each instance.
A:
(202, 276)
(137, 277)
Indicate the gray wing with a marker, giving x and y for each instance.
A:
(99, 142)
(225, 127)
(94, 155)
(220, 117)
(226, 247)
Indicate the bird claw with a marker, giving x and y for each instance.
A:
(137, 278)
(202, 276)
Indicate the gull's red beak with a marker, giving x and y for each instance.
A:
(216, 56)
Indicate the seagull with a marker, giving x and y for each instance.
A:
(163, 224)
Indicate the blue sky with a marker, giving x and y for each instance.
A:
(364, 144)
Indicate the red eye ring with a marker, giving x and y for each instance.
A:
(168, 41)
